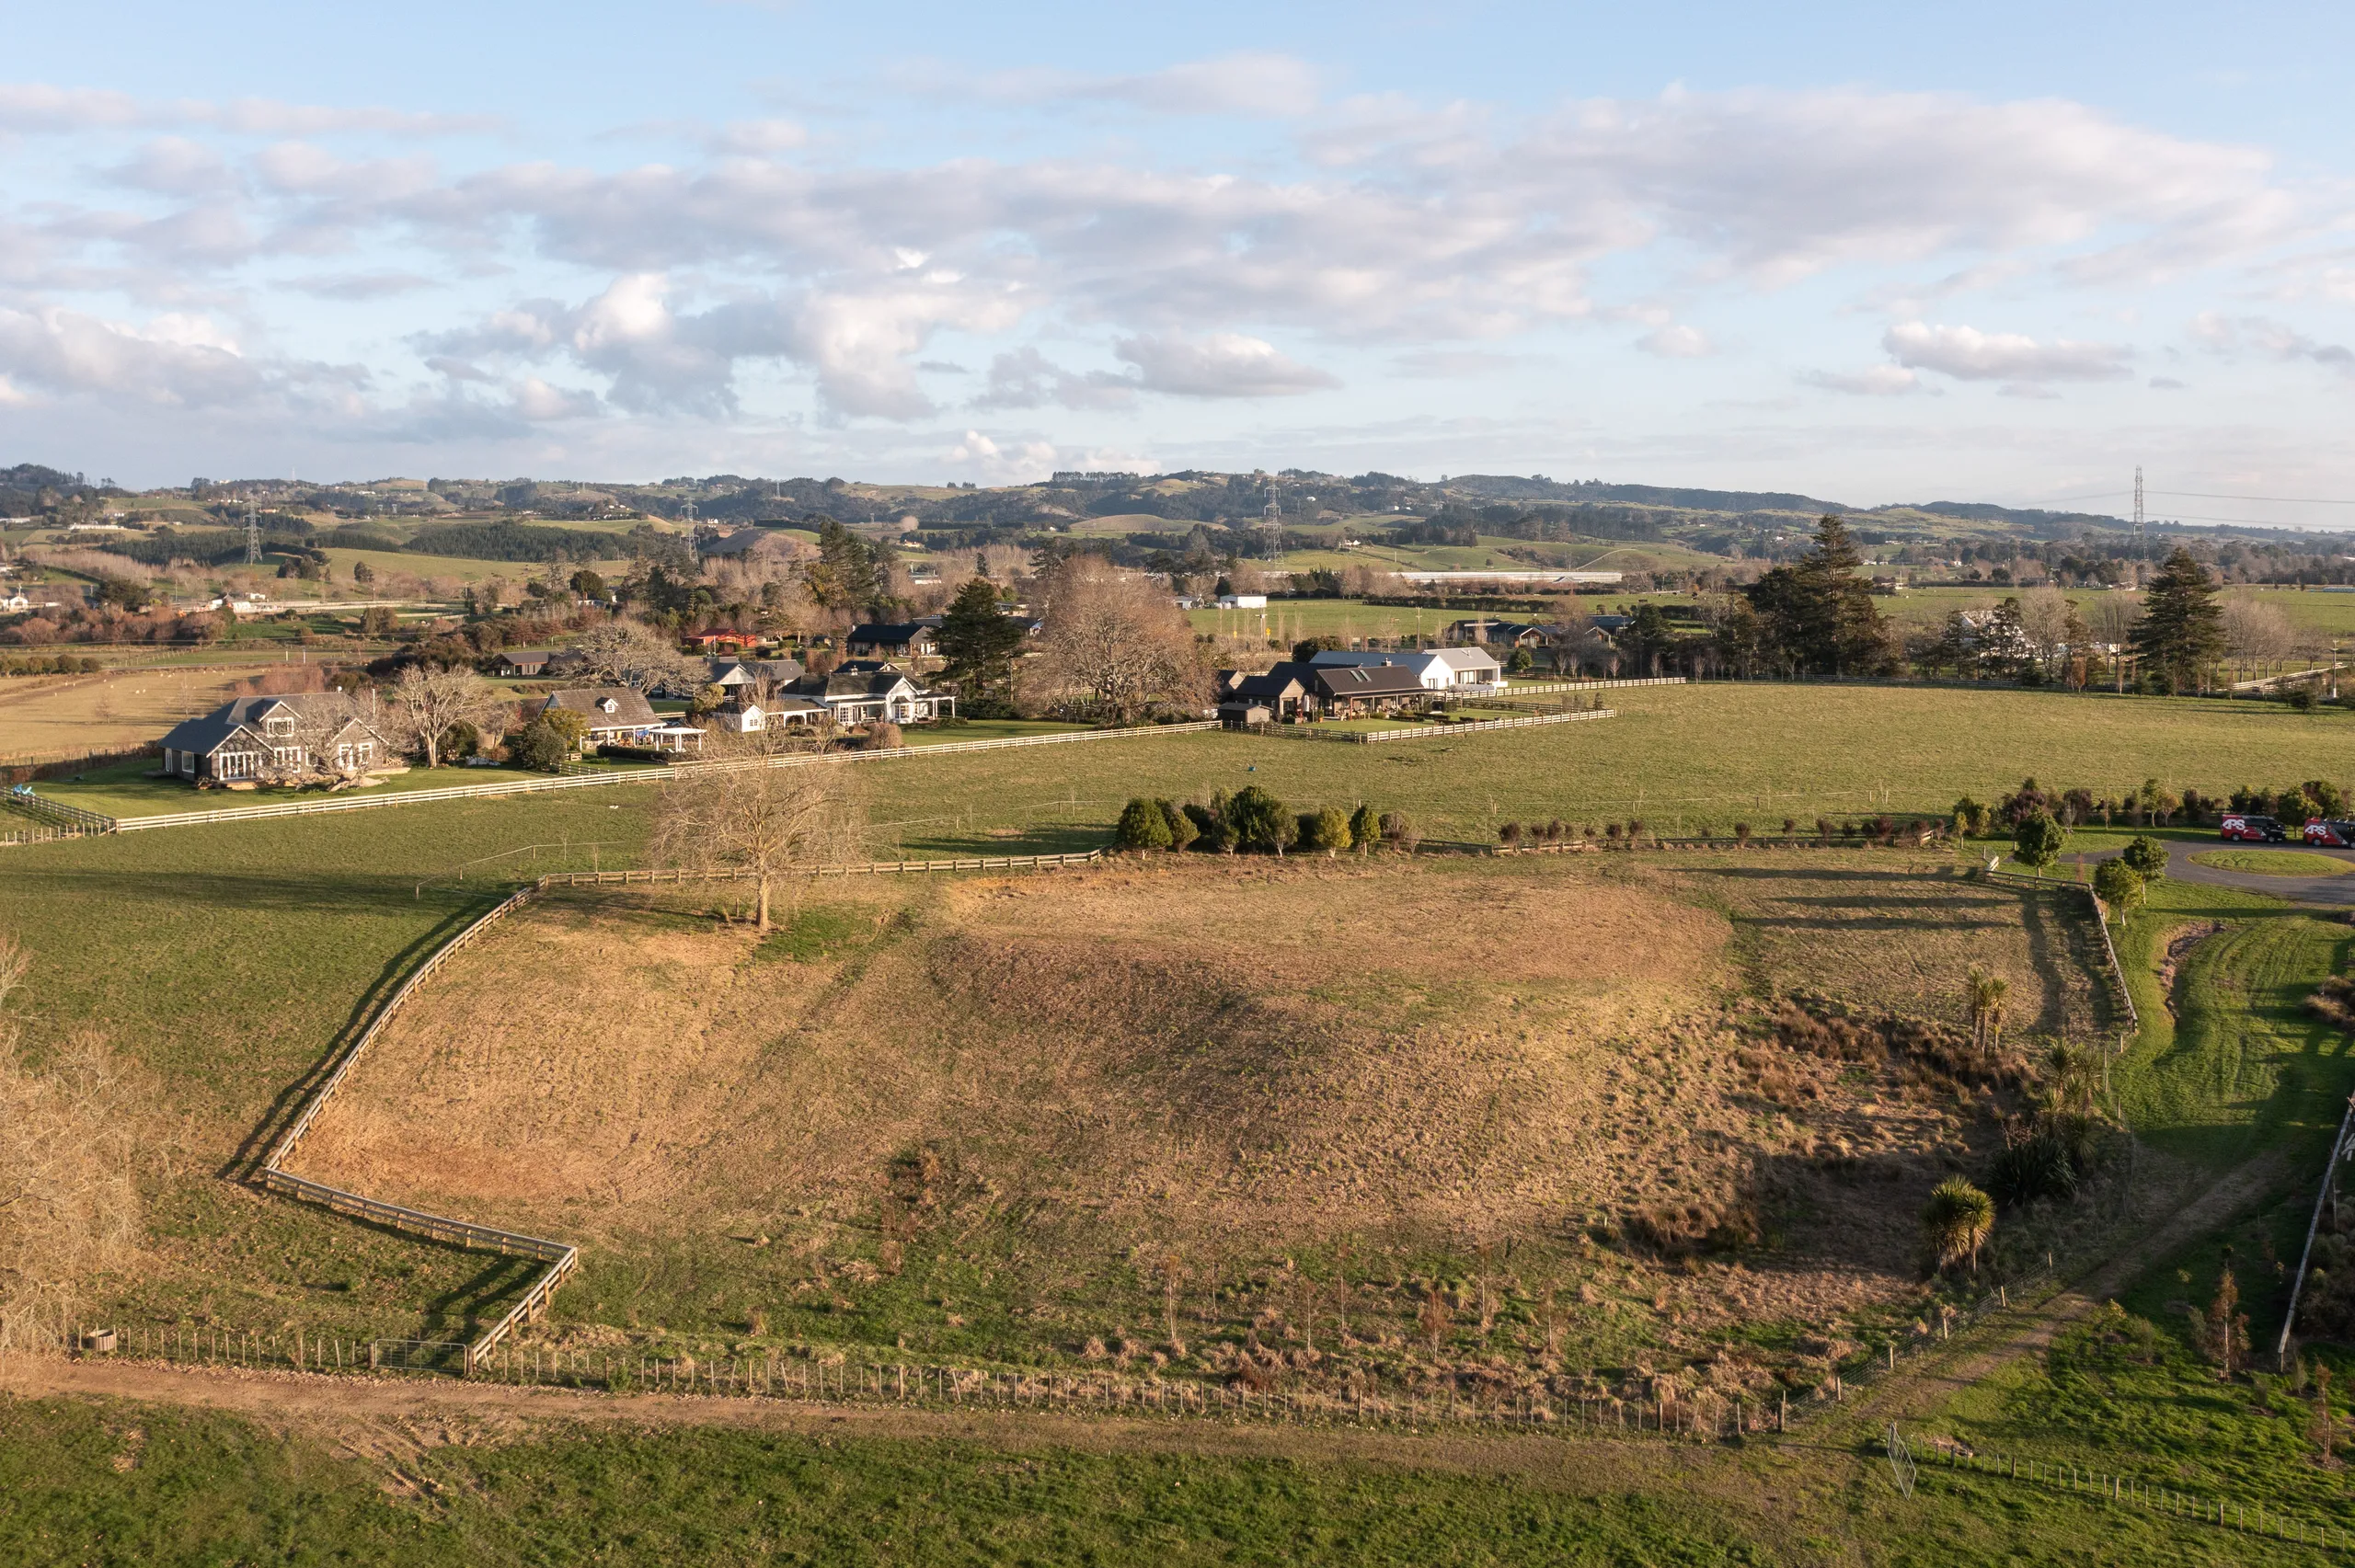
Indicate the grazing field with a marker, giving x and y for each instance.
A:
(224, 963)
(2273, 863)
(120, 1483)
(1549, 1104)
(1677, 758)
(1184, 1112)
(48, 715)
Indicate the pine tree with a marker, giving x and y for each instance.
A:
(977, 639)
(1819, 615)
(2181, 631)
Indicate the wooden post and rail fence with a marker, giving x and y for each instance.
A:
(560, 1257)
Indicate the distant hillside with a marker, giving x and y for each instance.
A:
(1506, 488)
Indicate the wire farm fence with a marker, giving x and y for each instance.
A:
(2117, 1490)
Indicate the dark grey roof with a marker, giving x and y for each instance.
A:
(630, 708)
(740, 671)
(1345, 681)
(891, 634)
(859, 678)
(205, 734)
(1285, 680)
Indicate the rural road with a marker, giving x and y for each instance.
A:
(2338, 891)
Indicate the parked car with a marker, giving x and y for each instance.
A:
(2338, 835)
(2251, 828)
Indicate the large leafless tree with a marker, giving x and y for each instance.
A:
(1113, 640)
(624, 653)
(771, 808)
(420, 708)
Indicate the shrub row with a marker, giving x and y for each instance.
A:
(1252, 820)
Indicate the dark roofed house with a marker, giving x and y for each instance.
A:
(1346, 689)
(619, 715)
(533, 663)
(895, 639)
(297, 732)
(1284, 691)
(1502, 633)
(738, 675)
(864, 690)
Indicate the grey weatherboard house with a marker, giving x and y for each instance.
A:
(321, 731)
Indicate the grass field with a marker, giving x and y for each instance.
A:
(131, 789)
(234, 961)
(458, 569)
(46, 714)
(129, 1485)
(2273, 863)
(235, 956)
(1095, 1081)
(1677, 758)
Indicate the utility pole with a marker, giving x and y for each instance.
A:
(253, 535)
(2138, 504)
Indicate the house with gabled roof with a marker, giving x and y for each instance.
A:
(294, 732)
(895, 639)
(736, 676)
(864, 690)
(620, 716)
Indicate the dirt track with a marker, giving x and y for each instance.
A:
(387, 1420)
(1911, 1395)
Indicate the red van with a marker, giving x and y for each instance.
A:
(2250, 829)
(2339, 835)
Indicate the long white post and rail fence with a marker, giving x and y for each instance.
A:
(94, 822)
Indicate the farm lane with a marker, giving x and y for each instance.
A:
(2337, 891)
(347, 1410)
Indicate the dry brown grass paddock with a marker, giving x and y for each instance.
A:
(1238, 1058)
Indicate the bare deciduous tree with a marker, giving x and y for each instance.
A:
(1114, 640)
(2257, 635)
(624, 652)
(2044, 622)
(424, 703)
(764, 821)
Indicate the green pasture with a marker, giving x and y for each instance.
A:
(133, 789)
(108, 1484)
(384, 562)
(2273, 863)
(227, 962)
(1677, 758)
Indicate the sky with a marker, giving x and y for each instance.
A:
(1869, 253)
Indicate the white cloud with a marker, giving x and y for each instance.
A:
(537, 401)
(1220, 364)
(1677, 342)
(1025, 460)
(759, 138)
(174, 360)
(38, 106)
(1968, 354)
(1025, 378)
(1247, 84)
(2276, 340)
(1873, 381)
